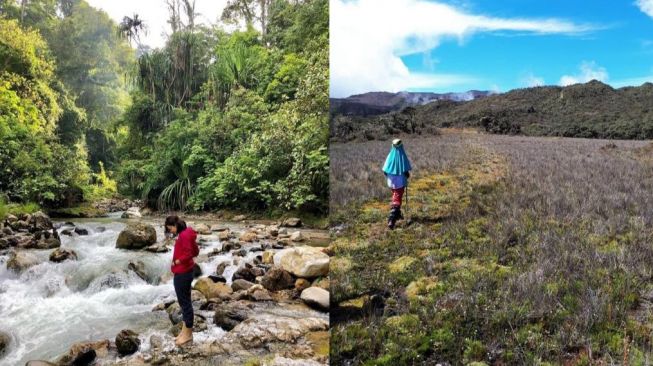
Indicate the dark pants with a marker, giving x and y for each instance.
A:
(182, 284)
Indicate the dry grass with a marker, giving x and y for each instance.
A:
(521, 251)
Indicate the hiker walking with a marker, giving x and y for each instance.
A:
(182, 266)
(396, 170)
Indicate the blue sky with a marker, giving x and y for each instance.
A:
(457, 45)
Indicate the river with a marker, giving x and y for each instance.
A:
(50, 306)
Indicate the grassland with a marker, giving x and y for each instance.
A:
(515, 251)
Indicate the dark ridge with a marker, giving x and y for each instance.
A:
(589, 110)
(375, 103)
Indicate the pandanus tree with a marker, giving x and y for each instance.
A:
(234, 66)
(131, 28)
(172, 75)
(175, 196)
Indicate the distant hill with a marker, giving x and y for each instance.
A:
(593, 110)
(375, 103)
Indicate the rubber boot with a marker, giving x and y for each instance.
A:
(185, 336)
(394, 215)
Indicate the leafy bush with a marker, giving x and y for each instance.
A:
(252, 131)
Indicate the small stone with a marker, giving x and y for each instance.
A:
(277, 279)
(224, 235)
(241, 284)
(302, 284)
(239, 217)
(127, 342)
(61, 254)
(211, 289)
(272, 230)
(316, 297)
(132, 213)
(219, 228)
(230, 315)
(248, 237)
(138, 267)
(292, 222)
(81, 231)
(202, 229)
(84, 353)
(5, 340)
(240, 253)
(258, 293)
(245, 274)
(218, 278)
(297, 236)
(219, 270)
(156, 342)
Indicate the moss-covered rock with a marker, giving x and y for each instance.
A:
(401, 264)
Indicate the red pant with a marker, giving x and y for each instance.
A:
(397, 195)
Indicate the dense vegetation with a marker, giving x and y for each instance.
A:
(213, 119)
(591, 110)
(520, 251)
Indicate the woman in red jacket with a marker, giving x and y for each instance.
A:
(182, 266)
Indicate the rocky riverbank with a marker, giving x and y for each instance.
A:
(262, 298)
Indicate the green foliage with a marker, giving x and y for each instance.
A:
(17, 209)
(213, 119)
(298, 26)
(101, 186)
(252, 136)
(91, 63)
(34, 166)
(286, 79)
(62, 85)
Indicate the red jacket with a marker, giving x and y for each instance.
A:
(185, 249)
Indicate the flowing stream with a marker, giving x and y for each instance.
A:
(50, 306)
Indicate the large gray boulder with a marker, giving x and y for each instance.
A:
(303, 261)
(20, 261)
(262, 328)
(136, 236)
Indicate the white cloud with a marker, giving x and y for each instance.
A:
(646, 6)
(369, 36)
(531, 80)
(155, 15)
(636, 81)
(588, 71)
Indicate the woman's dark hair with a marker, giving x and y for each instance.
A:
(174, 220)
